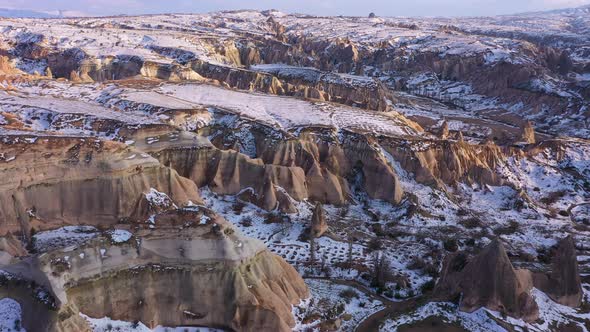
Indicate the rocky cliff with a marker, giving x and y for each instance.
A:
(488, 280)
(52, 181)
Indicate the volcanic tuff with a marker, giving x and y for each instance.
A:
(196, 161)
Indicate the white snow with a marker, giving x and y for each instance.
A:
(63, 237)
(158, 198)
(10, 316)
(106, 324)
(283, 112)
(119, 235)
(326, 295)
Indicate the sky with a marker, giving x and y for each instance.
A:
(317, 7)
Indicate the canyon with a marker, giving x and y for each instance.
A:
(263, 171)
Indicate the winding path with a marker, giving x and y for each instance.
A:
(373, 321)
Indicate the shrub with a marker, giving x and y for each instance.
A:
(431, 270)
(334, 311)
(511, 228)
(238, 207)
(343, 211)
(552, 197)
(246, 221)
(416, 263)
(378, 229)
(348, 294)
(276, 218)
(427, 286)
(450, 245)
(374, 244)
(472, 222)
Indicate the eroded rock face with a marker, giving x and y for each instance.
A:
(448, 162)
(209, 275)
(206, 274)
(230, 172)
(6, 67)
(528, 133)
(488, 280)
(563, 283)
(319, 225)
(182, 266)
(80, 180)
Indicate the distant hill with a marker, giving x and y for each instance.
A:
(5, 12)
(27, 13)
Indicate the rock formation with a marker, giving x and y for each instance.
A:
(487, 280)
(319, 225)
(6, 67)
(528, 133)
(137, 117)
(235, 282)
(206, 275)
(563, 283)
(444, 130)
(80, 180)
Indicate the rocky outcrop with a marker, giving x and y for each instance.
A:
(305, 82)
(528, 133)
(332, 166)
(207, 274)
(437, 162)
(78, 66)
(78, 180)
(444, 130)
(487, 280)
(6, 67)
(563, 283)
(230, 172)
(192, 268)
(319, 225)
(10, 246)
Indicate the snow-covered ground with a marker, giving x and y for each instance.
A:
(331, 301)
(106, 324)
(119, 235)
(10, 316)
(283, 112)
(63, 237)
(551, 317)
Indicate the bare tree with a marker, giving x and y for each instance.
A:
(312, 250)
(349, 252)
(381, 270)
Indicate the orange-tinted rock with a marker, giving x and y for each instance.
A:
(319, 225)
